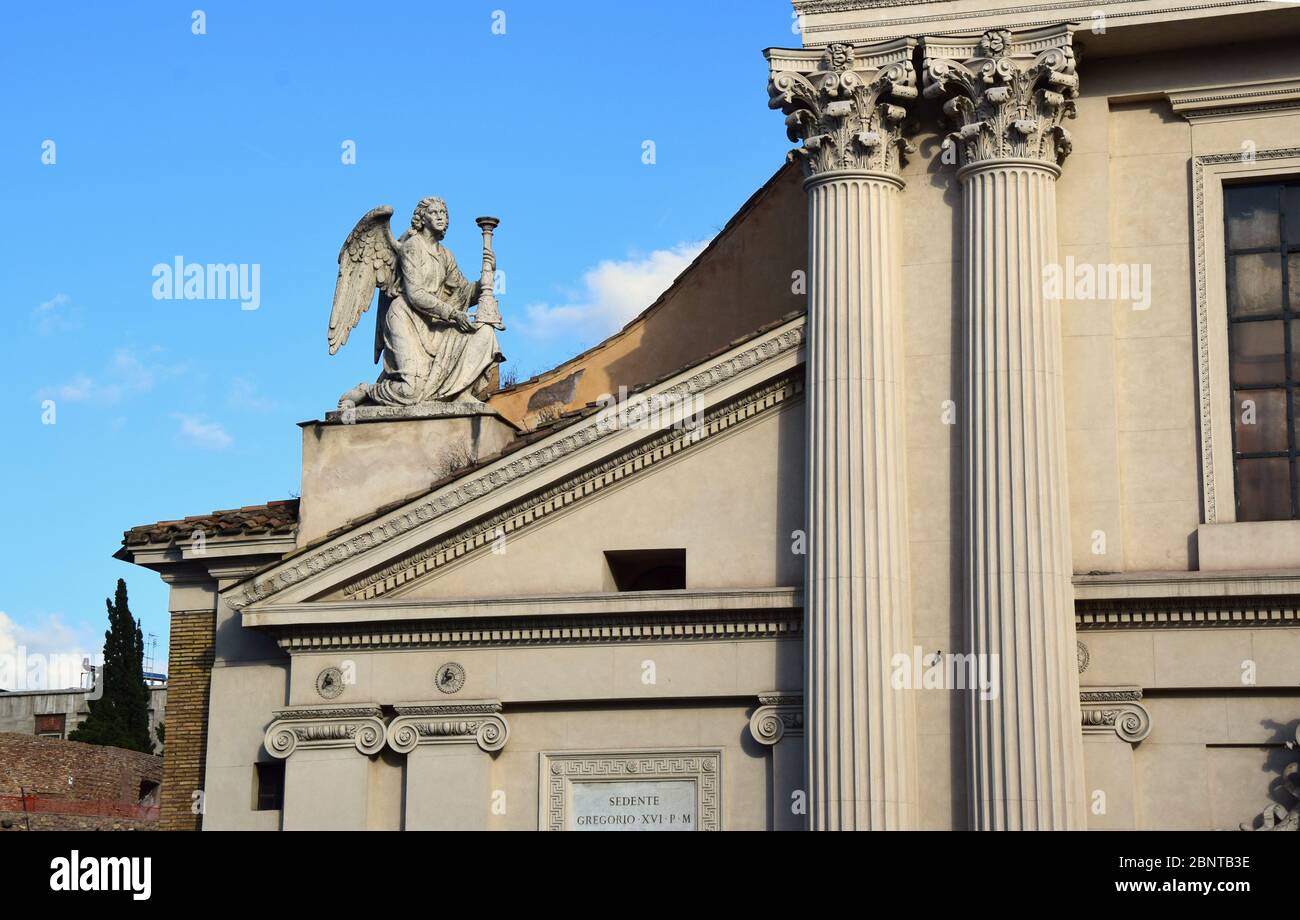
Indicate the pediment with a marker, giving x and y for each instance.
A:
(528, 488)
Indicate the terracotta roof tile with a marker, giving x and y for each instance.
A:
(272, 518)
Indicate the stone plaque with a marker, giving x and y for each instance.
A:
(631, 790)
(655, 805)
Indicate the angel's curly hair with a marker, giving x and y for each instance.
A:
(422, 214)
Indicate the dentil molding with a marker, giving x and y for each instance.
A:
(845, 104)
(1007, 92)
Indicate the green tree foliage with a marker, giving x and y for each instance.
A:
(120, 718)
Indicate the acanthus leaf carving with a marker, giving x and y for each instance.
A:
(1007, 93)
(845, 105)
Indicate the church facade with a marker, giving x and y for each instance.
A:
(954, 486)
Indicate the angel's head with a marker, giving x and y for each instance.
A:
(431, 213)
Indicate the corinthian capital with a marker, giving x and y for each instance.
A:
(1007, 92)
(846, 104)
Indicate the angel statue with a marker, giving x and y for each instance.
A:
(433, 350)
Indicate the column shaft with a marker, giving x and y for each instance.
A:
(1024, 743)
(859, 732)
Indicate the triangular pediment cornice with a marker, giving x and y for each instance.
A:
(352, 557)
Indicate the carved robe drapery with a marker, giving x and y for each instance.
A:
(427, 359)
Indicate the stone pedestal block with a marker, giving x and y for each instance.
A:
(356, 462)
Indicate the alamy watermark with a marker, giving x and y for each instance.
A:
(939, 671)
(653, 411)
(183, 280)
(21, 670)
(1116, 281)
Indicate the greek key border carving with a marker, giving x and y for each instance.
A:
(559, 769)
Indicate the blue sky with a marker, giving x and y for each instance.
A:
(228, 146)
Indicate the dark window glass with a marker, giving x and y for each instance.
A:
(270, 786)
(1262, 229)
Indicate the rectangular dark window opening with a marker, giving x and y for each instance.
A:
(270, 786)
(647, 569)
(1262, 236)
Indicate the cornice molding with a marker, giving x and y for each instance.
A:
(477, 722)
(1114, 710)
(966, 21)
(813, 7)
(845, 105)
(533, 608)
(361, 727)
(778, 715)
(1007, 93)
(508, 470)
(1201, 587)
(1237, 100)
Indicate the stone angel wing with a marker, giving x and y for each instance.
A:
(368, 260)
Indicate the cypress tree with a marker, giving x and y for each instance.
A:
(120, 718)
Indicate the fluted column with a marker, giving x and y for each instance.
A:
(1008, 94)
(846, 105)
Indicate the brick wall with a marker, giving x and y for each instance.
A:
(48, 784)
(189, 681)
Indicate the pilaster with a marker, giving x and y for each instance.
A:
(777, 723)
(448, 762)
(327, 750)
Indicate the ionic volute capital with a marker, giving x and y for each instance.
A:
(845, 104)
(1007, 93)
(471, 722)
(360, 727)
(1114, 710)
(779, 714)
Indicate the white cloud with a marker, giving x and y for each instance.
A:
(197, 432)
(126, 375)
(244, 395)
(56, 315)
(613, 292)
(46, 656)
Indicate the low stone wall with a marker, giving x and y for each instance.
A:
(46, 784)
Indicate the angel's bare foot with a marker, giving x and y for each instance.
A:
(352, 397)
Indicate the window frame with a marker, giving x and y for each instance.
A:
(1210, 174)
